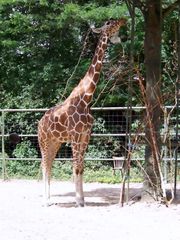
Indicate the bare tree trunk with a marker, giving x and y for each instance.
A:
(152, 47)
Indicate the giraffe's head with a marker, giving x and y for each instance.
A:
(111, 27)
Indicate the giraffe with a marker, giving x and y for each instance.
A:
(71, 121)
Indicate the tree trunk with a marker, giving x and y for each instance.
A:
(152, 45)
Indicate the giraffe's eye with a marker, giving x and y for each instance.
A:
(108, 23)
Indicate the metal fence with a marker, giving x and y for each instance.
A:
(109, 136)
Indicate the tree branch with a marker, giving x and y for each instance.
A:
(130, 5)
(137, 3)
(170, 8)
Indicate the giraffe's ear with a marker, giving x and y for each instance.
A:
(115, 38)
(97, 30)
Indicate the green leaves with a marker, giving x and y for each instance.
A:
(41, 42)
(25, 150)
(40, 46)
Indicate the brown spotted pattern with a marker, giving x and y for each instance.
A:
(72, 121)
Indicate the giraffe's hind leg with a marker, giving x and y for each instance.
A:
(48, 156)
(46, 171)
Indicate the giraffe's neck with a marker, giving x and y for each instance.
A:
(88, 83)
(94, 70)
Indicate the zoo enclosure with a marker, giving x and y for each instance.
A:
(110, 136)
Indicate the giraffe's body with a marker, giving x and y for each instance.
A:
(72, 121)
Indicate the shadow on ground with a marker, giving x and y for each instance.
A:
(100, 197)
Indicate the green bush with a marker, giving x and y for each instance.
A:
(26, 168)
(25, 149)
(62, 170)
(95, 171)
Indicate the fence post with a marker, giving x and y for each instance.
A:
(164, 144)
(3, 149)
(177, 106)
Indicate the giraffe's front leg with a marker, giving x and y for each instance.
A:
(78, 179)
(46, 182)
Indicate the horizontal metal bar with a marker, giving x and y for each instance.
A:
(86, 159)
(96, 134)
(93, 134)
(45, 109)
(58, 159)
(24, 110)
(116, 134)
(116, 108)
(93, 108)
(124, 108)
(21, 135)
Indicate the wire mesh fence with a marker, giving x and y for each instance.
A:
(109, 135)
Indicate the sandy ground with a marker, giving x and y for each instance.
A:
(22, 216)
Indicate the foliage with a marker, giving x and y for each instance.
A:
(25, 150)
(63, 172)
(169, 57)
(102, 147)
(41, 42)
(99, 125)
(23, 167)
(40, 47)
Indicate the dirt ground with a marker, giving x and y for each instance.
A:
(22, 216)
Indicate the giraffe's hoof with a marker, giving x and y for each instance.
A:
(79, 202)
(47, 204)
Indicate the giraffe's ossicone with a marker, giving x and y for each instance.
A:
(72, 121)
